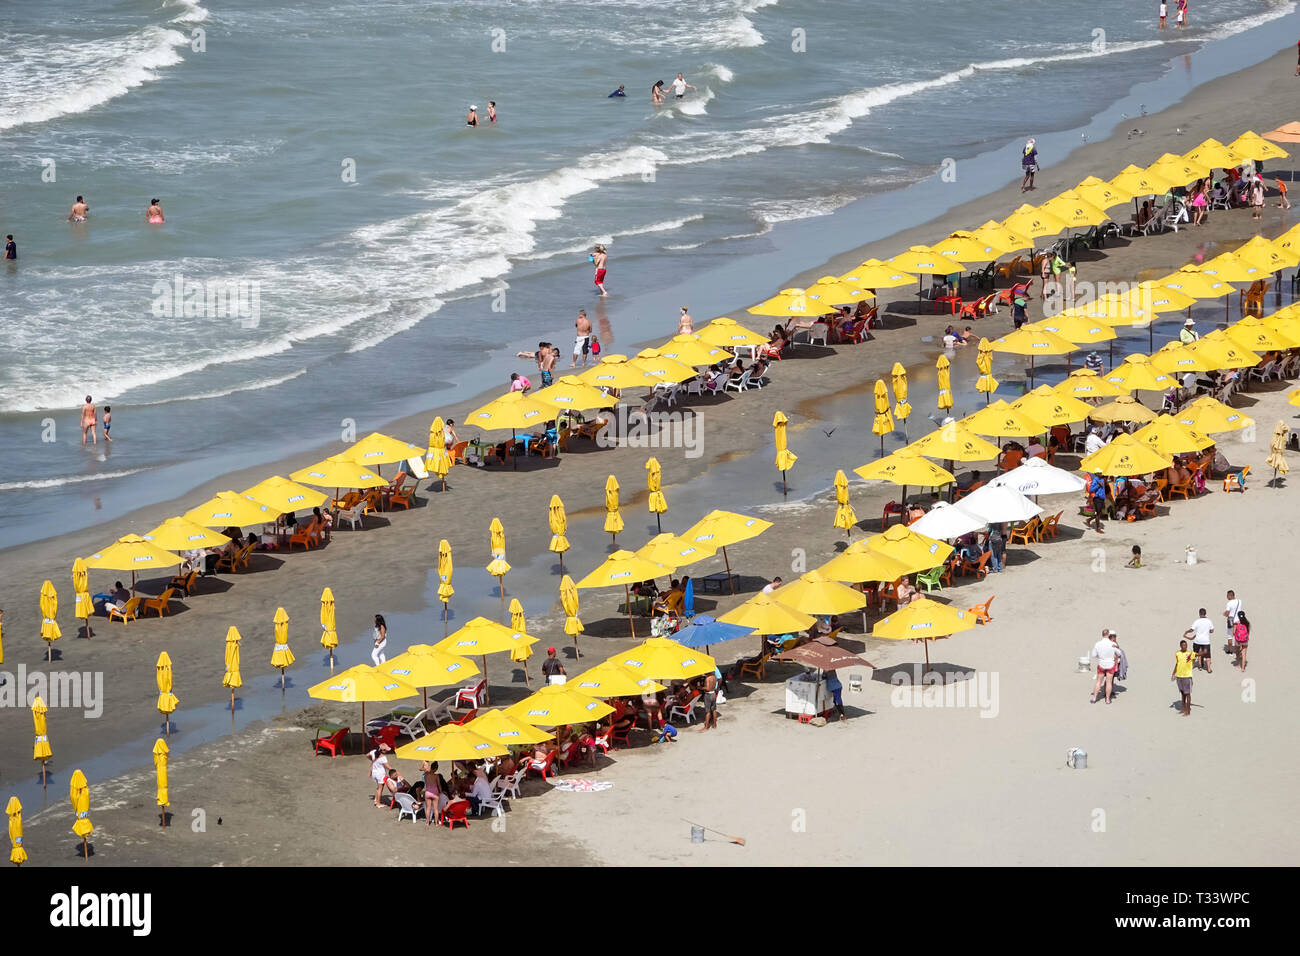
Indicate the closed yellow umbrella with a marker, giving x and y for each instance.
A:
(954, 441)
(656, 501)
(663, 659)
(14, 810)
(84, 607)
(785, 458)
(1138, 374)
(281, 656)
(1167, 436)
(1126, 408)
(1082, 383)
(874, 274)
(1222, 352)
(673, 552)
(1277, 451)
(883, 424)
(520, 654)
(424, 666)
(483, 637)
(163, 799)
(692, 351)
(498, 566)
(845, 516)
(167, 701)
(984, 362)
(559, 524)
(1044, 404)
(49, 611)
(281, 494)
(613, 518)
(1251, 144)
(226, 509)
(445, 590)
(437, 459)
(1033, 222)
(451, 743)
(1003, 420)
(1211, 416)
(361, 684)
(1125, 456)
(624, 568)
(729, 333)
(329, 638)
(556, 705)
(661, 367)
(500, 728)
(232, 678)
(569, 601)
(916, 551)
(944, 401)
(923, 620)
(902, 409)
(610, 680)
(816, 593)
(79, 794)
(41, 749)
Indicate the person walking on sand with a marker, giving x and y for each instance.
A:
(685, 324)
(1257, 198)
(1231, 610)
(680, 86)
(79, 210)
(1029, 162)
(600, 259)
(89, 419)
(1106, 653)
(1184, 661)
(154, 214)
(581, 339)
(1200, 632)
(1241, 634)
(381, 640)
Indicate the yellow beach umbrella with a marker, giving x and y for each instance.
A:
(232, 678)
(858, 563)
(79, 794)
(968, 247)
(1123, 409)
(1100, 193)
(556, 705)
(1003, 420)
(1252, 335)
(834, 290)
(916, 551)
(1044, 404)
(163, 798)
(984, 362)
(1179, 170)
(997, 234)
(845, 516)
(924, 620)
(906, 467)
(361, 684)
(1033, 221)
(673, 552)
(816, 593)
(1074, 210)
(281, 656)
(41, 749)
(656, 501)
(337, 472)
(902, 409)
(1137, 181)
(1190, 281)
(516, 410)
(1222, 352)
(785, 458)
(925, 260)
(1125, 456)
(14, 810)
(49, 611)
(690, 350)
(1139, 374)
(182, 534)
(794, 301)
(167, 701)
(953, 441)
(663, 659)
(1083, 383)
(559, 524)
(498, 566)
(1213, 154)
(1266, 254)
(224, 509)
(283, 496)
(661, 367)
(874, 274)
(729, 333)
(424, 666)
(520, 654)
(437, 459)
(718, 529)
(379, 449)
(1113, 309)
(1210, 416)
(329, 637)
(450, 743)
(1251, 144)
(483, 637)
(883, 424)
(613, 518)
(572, 393)
(1155, 297)
(1226, 267)
(1167, 437)
(944, 400)
(500, 728)
(1033, 342)
(132, 553)
(1177, 359)
(569, 602)
(1076, 329)
(624, 568)
(445, 590)
(610, 680)
(83, 607)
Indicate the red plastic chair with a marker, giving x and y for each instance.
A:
(546, 769)
(385, 735)
(465, 718)
(454, 813)
(891, 508)
(333, 743)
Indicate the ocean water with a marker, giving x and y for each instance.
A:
(315, 155)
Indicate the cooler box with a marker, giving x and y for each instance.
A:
(807, 696)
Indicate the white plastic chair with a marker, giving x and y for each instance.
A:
(819, 331)
(353, 515)
(695, 386)
(405, 806)
(739, 385)
(687, 712)
(440, 711)
(510, 784)
(493, 802)
(413, 726)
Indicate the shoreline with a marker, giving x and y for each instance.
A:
(373, 570)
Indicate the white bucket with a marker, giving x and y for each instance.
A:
(1076, 758)
(1191, 555)
(697, 834)
(855, 683)
(1084, 663)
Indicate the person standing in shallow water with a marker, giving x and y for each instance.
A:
(472, 118)
(89, 421)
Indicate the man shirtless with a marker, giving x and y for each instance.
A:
(546, 356)
(582, 338)
(89, 421)
(79, 210)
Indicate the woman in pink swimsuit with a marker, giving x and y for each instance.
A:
(154, 214)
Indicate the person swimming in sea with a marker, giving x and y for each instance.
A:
(472, 118)
(154, 214)
(657, 93)
(618, 92)
(79, 210)
(492, 111)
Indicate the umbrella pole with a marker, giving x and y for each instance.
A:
(784, 489)
(926, 642)
(631, 623)
(513, 456)
(44, 779)
(281, 681)
(727, 562)
(85, 850)
(659, 525)
(444, 618)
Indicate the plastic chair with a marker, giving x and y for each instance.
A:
(405, 805)
(981, 611)
(333, 743)
(931, 579)
(1236, 479)
(160, 603)
(891, 508)
(455, 813)
(542, 768)
(128, 611)
(1025, 534)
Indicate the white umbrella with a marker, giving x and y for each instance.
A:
(1036, 477)
(998, 503)
(946, 521)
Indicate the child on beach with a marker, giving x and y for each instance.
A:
(108, 422)
(1136, 560)
(1241, 636)
(1257, 198)
(89, 419)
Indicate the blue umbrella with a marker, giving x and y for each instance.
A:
(704, 630)
(688, 599)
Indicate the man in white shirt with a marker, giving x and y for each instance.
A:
(1093, 442)
(1105, 651)
(1231, 610)
(769, 588)
(1199, 633)
(481, 791)
(680, 86)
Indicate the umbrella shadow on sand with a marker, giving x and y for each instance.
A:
(913, 674)
(83, 853)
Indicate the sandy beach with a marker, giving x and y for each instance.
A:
(895, 784)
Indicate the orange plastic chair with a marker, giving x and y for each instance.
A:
(160, 603)
(1026, 533)
(981, 611)
(1236, 479)
(978, 568)
(128, 613)
(458, 452)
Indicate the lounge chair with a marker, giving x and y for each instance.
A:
(128, 611)
(440, 711)
(413, 726)
(160, 603)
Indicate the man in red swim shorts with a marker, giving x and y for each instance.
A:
(599, 258)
